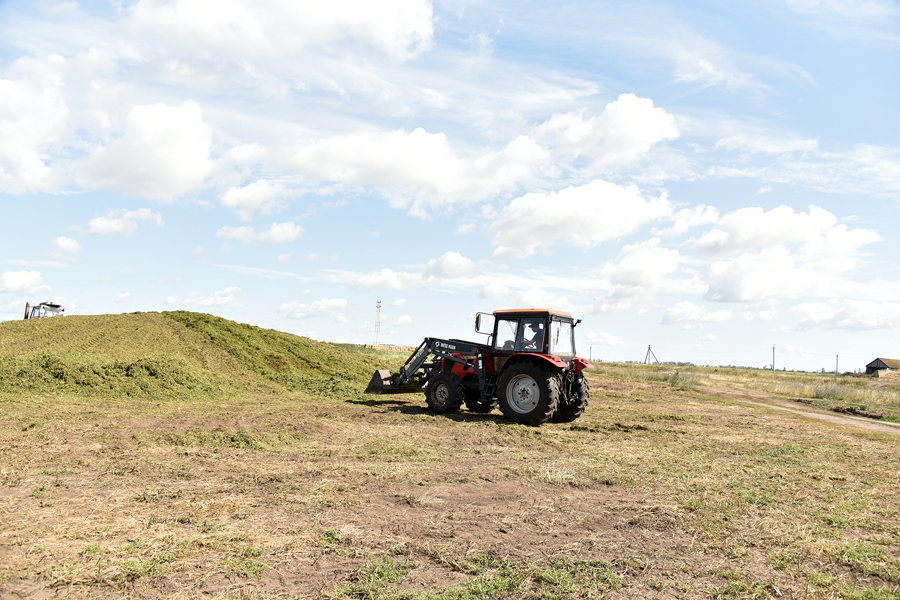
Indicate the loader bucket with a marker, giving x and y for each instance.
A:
(382, 384)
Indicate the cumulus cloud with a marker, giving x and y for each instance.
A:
(542, 298)
(121, 221)
(399, 302)
(449, 265)
(281, 29)
(494, 291)
(164, 152)
(689, 315)
(122, 297)
(388, 279)
(261, 195)
(326, 307)
(223, 300)
(689, 218)
(624, 132)
(404, 320)
(816, 232)
(582, 217)
(418, 168)
(277, 233)
(642, 265)
(854, 315)
(33, 118)
(23, 282)
(64, 248)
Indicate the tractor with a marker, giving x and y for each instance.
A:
(528, 367)
(43, 310)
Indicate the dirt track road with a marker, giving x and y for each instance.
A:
(761, 399)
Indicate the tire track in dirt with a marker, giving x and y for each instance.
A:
(764, 400)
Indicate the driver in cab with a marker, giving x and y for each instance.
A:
(536, 343)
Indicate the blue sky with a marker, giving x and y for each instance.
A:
(709, 178)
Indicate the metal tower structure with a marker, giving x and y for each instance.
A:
(377, 320)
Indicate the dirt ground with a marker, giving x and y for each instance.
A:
(651, 494)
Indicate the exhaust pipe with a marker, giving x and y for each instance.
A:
(27, 306)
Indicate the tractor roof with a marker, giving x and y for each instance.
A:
(517, 311)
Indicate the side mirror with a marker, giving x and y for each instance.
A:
(478, 322)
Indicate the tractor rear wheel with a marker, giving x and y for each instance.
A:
(444, 394)
(528, 393)
(570, 410)
(475, 404)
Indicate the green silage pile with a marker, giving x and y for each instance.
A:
(293, 362)
(160, 376)
(175, 355)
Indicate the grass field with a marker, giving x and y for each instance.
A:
(181, 455)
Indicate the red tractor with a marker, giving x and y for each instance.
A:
(528, 367)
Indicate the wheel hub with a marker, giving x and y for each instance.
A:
(523, 394)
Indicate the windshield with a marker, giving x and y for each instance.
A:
(562, 338)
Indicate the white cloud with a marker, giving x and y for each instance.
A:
(581, 216)
(642, 265)
(494, 291)
(164, 152)
(122, 221)
(199, 252)
(22, 282)
(854, 315)
(449, 265)
(764, 190)
(774, 273)
(624, 132)
(816, 232)
(689, 315)
(326, 307)
(389, 280)
(261, 195)
(282, 29)
(224, 300)
(689, 218)
(765, 145)
(64, 248)
(603, 338)
(538, 297)
(122, 297)
(404, 320)
(33, 118)
(277, 233)
(283, 258)
(709, 337)
(419, 169)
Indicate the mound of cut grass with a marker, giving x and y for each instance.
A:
(81, 374)
(293, 362)
(180, 355)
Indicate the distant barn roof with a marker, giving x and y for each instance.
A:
(884, 363)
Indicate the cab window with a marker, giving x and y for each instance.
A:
(562, 339)
(531, 335)
(506, 334)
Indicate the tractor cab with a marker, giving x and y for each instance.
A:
(531, 330)
(44, 310)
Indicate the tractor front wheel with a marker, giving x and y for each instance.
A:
(528, 394)
(445, 393)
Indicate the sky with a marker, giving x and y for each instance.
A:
(708, 179)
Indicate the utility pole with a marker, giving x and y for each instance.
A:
(836, 363)
(590, 353)
(377, 320)
(773, 358)
(649, 354)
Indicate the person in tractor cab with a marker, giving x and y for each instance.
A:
(536, 343)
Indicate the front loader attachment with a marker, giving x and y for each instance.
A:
(383, 383)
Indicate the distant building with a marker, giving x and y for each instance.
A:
(882, 364)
